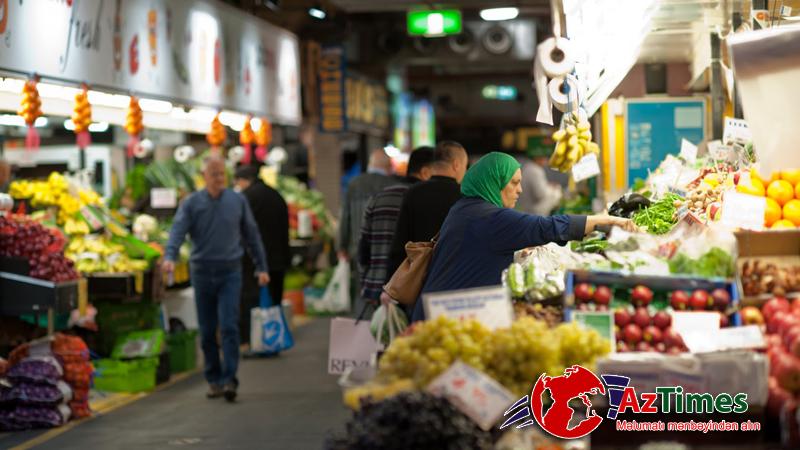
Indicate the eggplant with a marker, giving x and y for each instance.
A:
(628, 204)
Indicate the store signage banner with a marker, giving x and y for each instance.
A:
(331, 82)
(194, 52)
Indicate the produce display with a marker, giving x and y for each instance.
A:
(415, 420)
(55, 191)
(93, 254)
(299, 197)
(659, 217)
(573, 142)
(551, 315)
(714, 263)
(759, 277)
(782, 319)
(508, 355)
(42, 247)
(628, 205)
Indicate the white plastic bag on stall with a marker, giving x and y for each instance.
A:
(337, 295)
(387, 323)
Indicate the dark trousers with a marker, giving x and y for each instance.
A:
(216, 294)
(250, 297)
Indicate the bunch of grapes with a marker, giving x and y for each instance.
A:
(41, 247)
(415, 420)
(516, 356)
(580, 345)
(432, 348)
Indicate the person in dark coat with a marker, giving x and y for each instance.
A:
(425, 205)
(272, 217)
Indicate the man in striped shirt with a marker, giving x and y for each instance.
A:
(379, 224)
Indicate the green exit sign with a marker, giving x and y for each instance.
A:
(434, 23)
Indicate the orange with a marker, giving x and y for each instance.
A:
(783, 223)
(756, 187)
(791, 211)
(773, 213)
(791, 175)
(797, 191)
(781, 191)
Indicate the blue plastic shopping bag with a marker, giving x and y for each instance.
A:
(269, 332)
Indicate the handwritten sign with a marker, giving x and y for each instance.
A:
(163, 198)
(587, 167)
(736, 131)
(474, 393)
(688, 151)
(743, 211)
(489, 306)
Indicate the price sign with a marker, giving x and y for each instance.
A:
(587, 167)
(688, 151)
(743, 211)
(163, 198)
(731, 338)
(686, 323)
(474, 393)
(602, 322)
(736, 131)
(490, 306)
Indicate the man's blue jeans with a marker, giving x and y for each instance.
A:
(217, 288)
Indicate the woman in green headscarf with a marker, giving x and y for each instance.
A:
(482, 230)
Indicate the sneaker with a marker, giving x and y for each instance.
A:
(214, 391)
(230, 391)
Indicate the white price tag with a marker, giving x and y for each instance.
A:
(474, 393)
(163, 198)
(743, 211)
(688, 151)
(736, 130)
(786, 11)
(724, 339)
(587, 167)
(489, 306)
(718, 151)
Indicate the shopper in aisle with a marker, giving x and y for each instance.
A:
(426, 205)
(359, 192)
(380, 223)
(219, 222)
(482, 231)
(539, 196)
(272, 217)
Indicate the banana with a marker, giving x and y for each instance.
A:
(585, 135)
(559, 135)
(584, 126)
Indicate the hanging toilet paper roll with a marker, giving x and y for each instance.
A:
(556, 57)
(565, 98)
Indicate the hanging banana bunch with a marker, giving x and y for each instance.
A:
(133, 125)
(246, 138)
(216, 135)
(82, 118)
(263, 139)
(573, 142)
(30, 110)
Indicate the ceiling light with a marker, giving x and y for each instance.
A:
(13, 120)
(317, 13)
(155, 106)
(494, 14)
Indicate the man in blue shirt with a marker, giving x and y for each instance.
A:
(219, 222)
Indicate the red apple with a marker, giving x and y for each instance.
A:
(601, 308)
(787, 372)
(723, 320)
(632, 334)
(674, 350)
(652, 334)
(641, 317)
(773, 306)
(622, 317)
(584, 292)
(721, 299)
(778, 396)
(679, 300)
(622, 347)
(602, 295)
(752, 316)
(641, 296)
(789, 321)
(792, 341)
(662, 320)
(583, 307)
(700, 300)
(774, 321)
(672, 338)
(644, 347)
(660, 347)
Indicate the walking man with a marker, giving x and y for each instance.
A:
(218, 221)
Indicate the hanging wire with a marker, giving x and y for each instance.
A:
(556, 10)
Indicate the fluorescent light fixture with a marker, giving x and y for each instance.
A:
(155, 106)
(96, 127)
(496, 14)
(202, 114)
(13, 120)
(233, 120)
(111, 100)
(317, 13)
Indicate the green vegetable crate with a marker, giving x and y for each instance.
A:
(136, 375)
(182, 351)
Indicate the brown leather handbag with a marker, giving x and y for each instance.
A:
(406, 282)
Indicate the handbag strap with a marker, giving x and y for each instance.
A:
(435, 238)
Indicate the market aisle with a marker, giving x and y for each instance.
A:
(284, 403)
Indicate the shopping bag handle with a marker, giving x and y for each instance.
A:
(362, 313)
(264, 298)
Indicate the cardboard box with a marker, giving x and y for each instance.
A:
(779, 247)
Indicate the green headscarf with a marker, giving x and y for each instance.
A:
(487, 178)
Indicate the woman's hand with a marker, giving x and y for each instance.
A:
(592, 222)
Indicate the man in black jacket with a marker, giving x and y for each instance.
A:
(272, 217)
(425, 205)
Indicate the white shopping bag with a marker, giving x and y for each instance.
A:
(337, 295)
(269, 331)
(351, 345)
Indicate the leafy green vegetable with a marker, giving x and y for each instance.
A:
(716, 263)
(659, 218)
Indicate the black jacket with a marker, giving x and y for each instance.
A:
(425, 206)
(272, 217)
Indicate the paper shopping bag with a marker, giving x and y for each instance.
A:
(351, 345)
(269, 332)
